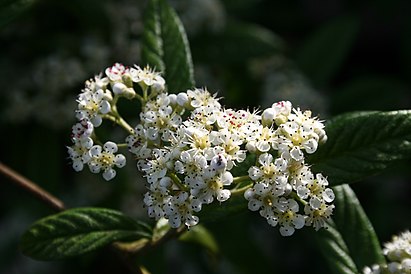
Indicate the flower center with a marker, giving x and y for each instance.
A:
(106, 159)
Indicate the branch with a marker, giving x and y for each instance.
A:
(32, 188)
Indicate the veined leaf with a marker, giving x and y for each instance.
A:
(78, 231)
(361, 144)
(350, 243)
(165, 46)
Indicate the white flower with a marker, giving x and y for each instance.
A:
(191, 164)
(269, 172)
(202, 98)
(162, 121)
(79, 152)
(318, 217)
(92, 105)
(104, 159)
(278, 113)
(156, 168)
(179, 210)
(399, 247)
(212, 186)
(147, 77)
(289, 219)
(116, 72)
(83, 129)
(155, 200)
(137, 143)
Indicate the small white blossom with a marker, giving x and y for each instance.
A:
(147, 77)
(79, 152)
(92, 105)
(179, 210)
(103, 159)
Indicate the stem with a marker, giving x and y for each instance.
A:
(241, 179)
(122, 145)
(240, 191)
(177, 181)
(144, 245)
(32, 188)
(120, 121)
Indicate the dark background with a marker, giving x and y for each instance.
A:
(329, 56)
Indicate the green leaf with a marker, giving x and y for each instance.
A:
(361, 144)
(237, 43)
(165, 46)
(323, 53)
(201, 236)
(217, 211)
(78, 231)
(10, 9)
(350, 243)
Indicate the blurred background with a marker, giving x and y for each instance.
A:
(329, 56)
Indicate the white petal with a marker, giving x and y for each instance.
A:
(315, 203)
(328, 195)
(249, 193)
(223, 195)
(227, 178)
(261, 189)
(104, 107)
(120, 160)
(86, 142)
(310, 146)
(265, 159)
(94, 167)
(109, 174)
(95, 151)
(287, 230)
(78, 165)
(118, 88)
(254, 173)
(191, 221)
(175, 221)
(96, 120)
(110, 147)
(272, 220)
(254, 205)
(296, 154)
(302, 192)
(263, 146)
(299, 221)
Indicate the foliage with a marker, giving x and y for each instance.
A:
(361, 144)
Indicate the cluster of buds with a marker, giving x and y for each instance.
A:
(187, 146)
(398, 254)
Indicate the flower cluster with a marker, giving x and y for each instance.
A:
(398, 253)
(188, 146)
(97, 101)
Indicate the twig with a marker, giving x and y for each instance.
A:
(32, 188)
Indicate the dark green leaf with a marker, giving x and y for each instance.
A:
(325, 50)
(9, 9)
(217, 211)
(201, 236)
(165, 46)
(362, 144)
(77, 231)
(350, 243)
(237, 43)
